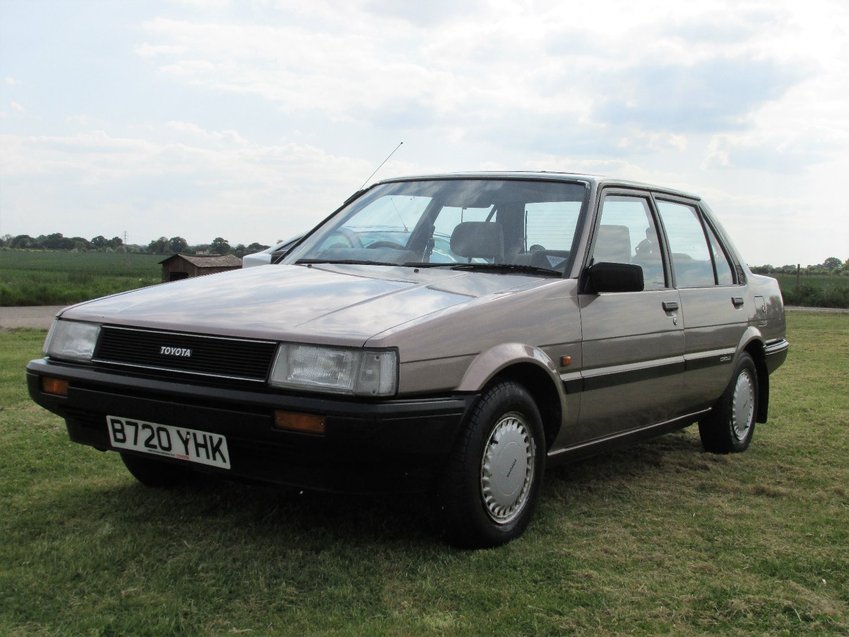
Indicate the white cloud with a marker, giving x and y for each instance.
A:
(154, 189)
(630, 72)
(196, 132)
(204, 4)
(425, 14)
(150, 50)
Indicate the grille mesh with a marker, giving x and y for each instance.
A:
(186, 353)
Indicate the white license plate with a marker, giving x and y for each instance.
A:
(190, 445)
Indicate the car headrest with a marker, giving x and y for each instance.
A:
(613, 244)
(478, 239)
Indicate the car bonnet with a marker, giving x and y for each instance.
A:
(330, 304)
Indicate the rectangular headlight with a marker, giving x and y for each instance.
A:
(71, 340)
(358, 372)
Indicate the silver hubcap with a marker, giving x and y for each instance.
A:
(743, 405)
(507, 468)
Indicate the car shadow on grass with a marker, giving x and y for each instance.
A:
(633, 472)
(253, 510)
(679, 450)
(240, 512)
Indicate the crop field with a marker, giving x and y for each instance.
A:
(657, 539)
(42, 277)
(814, 290)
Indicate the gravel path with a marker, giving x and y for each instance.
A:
(818, 310)
(36, 317)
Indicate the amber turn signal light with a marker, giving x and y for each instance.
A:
(304, 423)
(55, 386)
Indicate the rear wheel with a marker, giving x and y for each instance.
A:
(731, 423)
(155, 473)
(493, 476)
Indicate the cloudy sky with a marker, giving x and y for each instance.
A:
(253, 119)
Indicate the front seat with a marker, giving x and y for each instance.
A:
(613, 244)
(478, 240)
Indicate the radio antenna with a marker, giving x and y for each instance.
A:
(381, 165)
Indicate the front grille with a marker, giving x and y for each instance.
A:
(185, 353)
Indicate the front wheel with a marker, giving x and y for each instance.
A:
(731, 423)
(494, 473)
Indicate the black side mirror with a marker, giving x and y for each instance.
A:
(613, 277)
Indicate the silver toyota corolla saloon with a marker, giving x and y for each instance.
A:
(449, 334)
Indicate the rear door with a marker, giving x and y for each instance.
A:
(713, 300)
(633, 342)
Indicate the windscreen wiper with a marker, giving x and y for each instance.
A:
(506, 268)
(342, 262)
(419, 264)
(488, 267)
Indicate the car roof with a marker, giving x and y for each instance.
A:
(595, 181)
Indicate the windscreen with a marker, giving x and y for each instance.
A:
(453, 222)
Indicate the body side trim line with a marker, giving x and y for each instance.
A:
(710, 358)
(602, 377)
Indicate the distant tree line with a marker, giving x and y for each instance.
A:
(162, 245)
(832, 265)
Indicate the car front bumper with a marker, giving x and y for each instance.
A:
(368, 446)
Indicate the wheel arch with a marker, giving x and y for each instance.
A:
(752, 342)
(755, 349)
(528, 367)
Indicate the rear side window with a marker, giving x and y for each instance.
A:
(697, 257)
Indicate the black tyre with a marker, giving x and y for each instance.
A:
(731, 423)
(155, 473)
(492, 480)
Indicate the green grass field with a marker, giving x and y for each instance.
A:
(41, 277)
(658, 539)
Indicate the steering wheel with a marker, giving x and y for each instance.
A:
(386, 244)
(342, 237)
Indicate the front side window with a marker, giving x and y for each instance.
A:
(627, 234)
(497, 222)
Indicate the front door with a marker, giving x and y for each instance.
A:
(633, 342)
